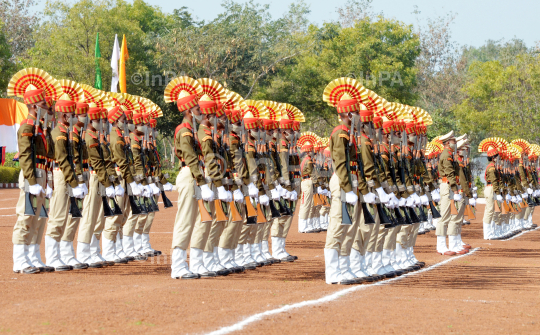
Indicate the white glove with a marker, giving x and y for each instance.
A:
(78, 192)
(530, 190)
(402, 202)
(48, 193)
(410, 202)
(253, 191)
(524, 195)
(395, 202)
(457, 197)
(264, 200)
(222, 193)
(514, 200)
(155, 190)
(475, 188)
(135, 189)
(370, 198)
(109, 191)
(238, 196)
(287, 195)
(508, 197)
(167, 187)
(119, 191)
(382, 195)
(275, 194)
(518, 199)
(294, 196)
(416, 199)
(472, 202)
(281, 190)
(351, 198)
(435, 196)
(499, 197)
(393, 199)
(424, 200)
(229, 197)
(84, 188)
(536, 193)
(327, 193)
(147, 191)
(207, 193)
(475, 195)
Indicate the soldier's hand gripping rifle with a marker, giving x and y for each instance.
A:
(384, 214)
(281, 204)
(74, 209)
(400, 219)
(106, 201)
(269, 163)
(251, 212)
(229, 168)
(149, 201)
(205, 214)
(434, 212)
(137, 208)
(166, 202)
(219, 205)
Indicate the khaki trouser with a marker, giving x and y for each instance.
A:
(37, 237)
(364, 232)
(91, 209)
(215, 233)
(59, 207)
(456, 221)
(100, 223)
(383, 233)
(113, 224)
(27, 227)
(324, 210)
(489, 210)
(73, 223)
(414, 234)
(281, 226)
(201, 231)
(391, 238)
(521, 214)
(231, 233)
(144, 223)
(335, 236)
(442, 226)
(372, 243)
(246, 232)
(188, 215)
(306, 200)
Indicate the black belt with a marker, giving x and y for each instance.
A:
(41, 161)
(85, 165)
(306, 177)
(56, 165)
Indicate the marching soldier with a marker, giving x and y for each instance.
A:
(93, 203)
(305, 219)
(32, 160)
(491, 192)
(64, 178)
(449, 191)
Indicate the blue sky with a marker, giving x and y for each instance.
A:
(476, 21)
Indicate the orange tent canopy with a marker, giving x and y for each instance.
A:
(12, 112)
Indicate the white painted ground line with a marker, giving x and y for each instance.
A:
(334, 296)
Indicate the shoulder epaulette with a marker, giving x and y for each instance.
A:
(119, 132)
(182, 125)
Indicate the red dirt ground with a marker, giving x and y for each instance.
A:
(494, 291)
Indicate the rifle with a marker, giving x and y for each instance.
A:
(282, 204)
(150, 201)
(205, 215)
(400, 219)
(261, 218)
(74, 209)
(410, 215)
(30, 199)
(274, 212)
(385, 216)
(137, 208)
(345, 216)
(166, 202)
(107, 210)
(224, 150)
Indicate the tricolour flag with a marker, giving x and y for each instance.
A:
(98, 84)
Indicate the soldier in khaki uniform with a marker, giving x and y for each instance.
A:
(456, 221)
(449, 191)
(309, 182)
(491, 191)
(32, 172)
(112, 245)
(93, 203)
(80, 160)
(64, 175)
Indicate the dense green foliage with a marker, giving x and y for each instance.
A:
(9, 174)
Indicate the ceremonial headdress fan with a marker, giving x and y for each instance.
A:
(274, 114)
(72, 93)
(307, 141)
(235, 106)
(34, 85)
(345, 94)
(185, 91)
(213, 98)
(255, 111)
(523, 144)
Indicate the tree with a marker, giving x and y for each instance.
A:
(380, 53)
(19, 23)
(6, 65)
